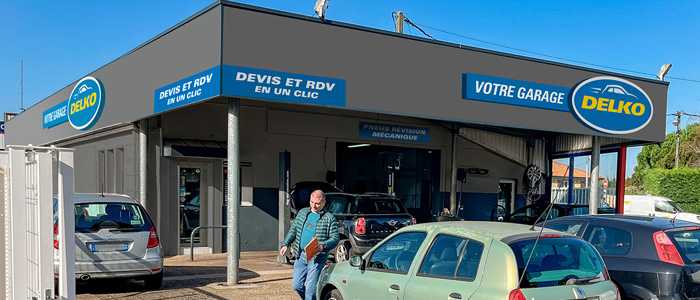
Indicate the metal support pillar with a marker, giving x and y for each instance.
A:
(142, 162)
(453, 176)
(621, 176)
(595, 173)
(283, 198)
(233, 196)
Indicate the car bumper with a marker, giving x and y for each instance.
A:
(361, 246)
(150, 264)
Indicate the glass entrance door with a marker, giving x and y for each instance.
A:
(190, 197)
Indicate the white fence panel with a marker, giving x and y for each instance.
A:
(29, 218)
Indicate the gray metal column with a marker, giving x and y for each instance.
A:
(595, 171)
(142, 161)
(283, 197)
(233, 197)
(453, 176)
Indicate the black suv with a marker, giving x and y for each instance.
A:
(364, 220)
(647, 257)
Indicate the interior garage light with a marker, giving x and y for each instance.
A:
(358, 145)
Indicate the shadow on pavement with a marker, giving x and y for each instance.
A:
(180, 277)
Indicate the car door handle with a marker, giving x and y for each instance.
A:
(454, 296)
(394, 288)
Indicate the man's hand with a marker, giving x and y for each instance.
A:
(283, 250)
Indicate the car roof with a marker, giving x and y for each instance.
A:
(649, 222)
(646, 197)
(365, 195)
(81, 198)
(496, 230)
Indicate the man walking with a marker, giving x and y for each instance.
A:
(311, 222)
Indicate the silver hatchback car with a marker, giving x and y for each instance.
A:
(114, 238)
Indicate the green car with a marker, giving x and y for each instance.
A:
(471, 260)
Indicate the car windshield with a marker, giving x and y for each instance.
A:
(667, 207)
(91, 217)
(688, 243)
(558, 261)
(378, 206)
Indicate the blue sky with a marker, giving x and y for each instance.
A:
(632, 35)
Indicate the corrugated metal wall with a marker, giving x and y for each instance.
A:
(577, 143)
(509, 146)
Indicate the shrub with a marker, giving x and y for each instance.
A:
(682, 185)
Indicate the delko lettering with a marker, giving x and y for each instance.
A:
(86, 102)
(612, 105)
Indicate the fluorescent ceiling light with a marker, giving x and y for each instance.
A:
(358, 145)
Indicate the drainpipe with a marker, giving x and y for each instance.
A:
(233, 197)
(453, 177)
(142, 162)
(595, 164)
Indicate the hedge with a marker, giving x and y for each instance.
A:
(682, 185)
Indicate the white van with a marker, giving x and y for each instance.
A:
(649, 205)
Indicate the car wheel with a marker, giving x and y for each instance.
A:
(154, 282)
(333, 295)
(342, 251)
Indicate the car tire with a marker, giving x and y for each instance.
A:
(342, 251)
(333, 295)
(154, 282)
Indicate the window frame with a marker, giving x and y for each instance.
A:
(370, 254)
(459, 262)
(589, 230)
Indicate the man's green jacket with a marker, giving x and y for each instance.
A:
(326, 232)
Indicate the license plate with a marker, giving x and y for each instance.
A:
(108, 247)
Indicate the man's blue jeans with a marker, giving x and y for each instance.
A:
(305, 276)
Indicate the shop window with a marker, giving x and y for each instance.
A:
(571, 182)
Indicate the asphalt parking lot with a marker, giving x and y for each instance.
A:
(261, 278)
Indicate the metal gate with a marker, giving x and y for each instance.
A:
(38, 182)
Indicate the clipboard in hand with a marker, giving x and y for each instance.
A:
(312, 248)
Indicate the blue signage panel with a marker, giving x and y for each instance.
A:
(2, 127)
(85, 103)
(283, 87)
(55, 115)
(612, 105)
(389, 132)
(192, 89)
(514, 92)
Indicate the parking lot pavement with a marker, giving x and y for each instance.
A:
(261, 277)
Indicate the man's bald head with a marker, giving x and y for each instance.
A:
(317, 200)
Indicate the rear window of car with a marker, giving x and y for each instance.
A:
(556, 261)
(377, 206)
(688, 243)
(91, 217)
(338, 204)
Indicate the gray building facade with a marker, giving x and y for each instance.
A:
(340, 99)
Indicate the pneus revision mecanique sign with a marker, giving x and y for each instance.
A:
(607, 104)
(82, 109)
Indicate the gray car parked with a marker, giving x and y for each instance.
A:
(114, 238)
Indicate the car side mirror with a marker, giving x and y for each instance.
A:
(358, 262)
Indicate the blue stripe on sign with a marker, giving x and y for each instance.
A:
(55, 115)
(278, 86)
(192, 89)
(514, 92)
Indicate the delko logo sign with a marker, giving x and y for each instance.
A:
(612, 105)
(85, 103)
